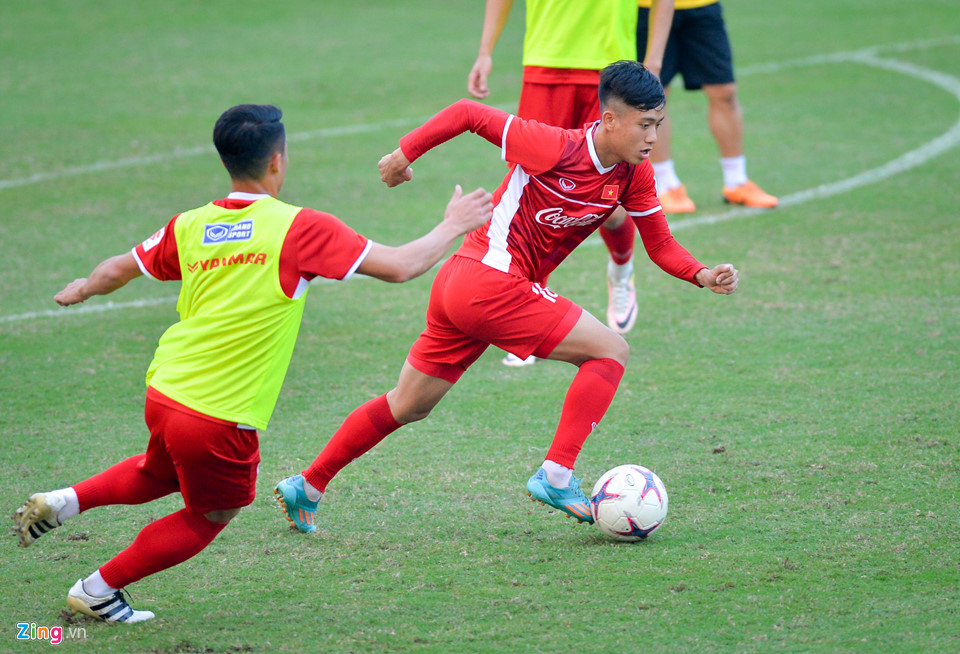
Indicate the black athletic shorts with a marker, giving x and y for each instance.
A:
(698, 47)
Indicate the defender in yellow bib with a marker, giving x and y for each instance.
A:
(245, 262)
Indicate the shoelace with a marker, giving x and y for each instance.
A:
(119, 595)
(621, 296)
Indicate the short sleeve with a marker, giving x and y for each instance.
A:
(157, 256)
(323, 246)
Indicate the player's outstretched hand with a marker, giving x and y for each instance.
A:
(721, 279)
(395, 168)
(470, 211)
(479, 74)
(73, 293)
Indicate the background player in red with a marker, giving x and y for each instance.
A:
(561, 186)
(565, 46)
(245, 262)
(699, 49)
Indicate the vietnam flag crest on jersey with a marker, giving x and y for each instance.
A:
(610, 192)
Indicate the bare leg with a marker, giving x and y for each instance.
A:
(725, 118)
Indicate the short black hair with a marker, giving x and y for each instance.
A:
(246, 136)
(631, 83)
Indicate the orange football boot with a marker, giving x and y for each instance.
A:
(676, 200)
(749, 195)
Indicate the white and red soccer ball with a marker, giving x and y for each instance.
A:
(629, 503)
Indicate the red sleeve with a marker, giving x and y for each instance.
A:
(319, 245)
(643, 206)
(534, 146)
(158, 256)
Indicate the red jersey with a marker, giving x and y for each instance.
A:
(555, 194)
(317, 245)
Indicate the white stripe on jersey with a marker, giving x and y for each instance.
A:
(639, 214)
(503, 141)
(497, 255)
(140, 265)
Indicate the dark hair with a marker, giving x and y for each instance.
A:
(631, 83)
(246, 136)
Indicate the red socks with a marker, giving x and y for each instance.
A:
(124, 483)
(588, 399)
(161, 545)
(620, 241)
(369, 424)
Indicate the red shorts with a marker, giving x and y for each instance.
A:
(473, 305)
(214, 461)
(567, 105)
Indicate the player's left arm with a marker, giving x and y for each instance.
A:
(643, 206)
(107, 277)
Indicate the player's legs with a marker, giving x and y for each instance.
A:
(619, 234)
(725, 118)
(414, 396)
(215, 465)
(412, 399)
(436, 361)
(123, 483)
(600, 355)
(671, 191)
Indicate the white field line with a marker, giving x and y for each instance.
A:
(926, 152)
(867, 56)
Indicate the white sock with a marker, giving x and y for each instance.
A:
(665, 175)
(619, 273)
(95, 585)
(558, 475)
(65, 502)
(734, 171)
(311, 491)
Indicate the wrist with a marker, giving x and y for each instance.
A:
(700, 277)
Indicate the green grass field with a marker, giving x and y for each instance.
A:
(806, 427)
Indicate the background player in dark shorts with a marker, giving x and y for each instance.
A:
(699, 49)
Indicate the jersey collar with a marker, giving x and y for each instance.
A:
(593, 151)
(249, 197)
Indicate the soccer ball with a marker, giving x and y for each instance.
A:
(629, 503)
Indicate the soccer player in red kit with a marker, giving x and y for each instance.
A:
(244, 263)
(560, 187)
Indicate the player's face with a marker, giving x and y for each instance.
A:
(634, 132)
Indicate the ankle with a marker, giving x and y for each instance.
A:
(558, 476)
(312, 492)
(64, 502)
(95, 586)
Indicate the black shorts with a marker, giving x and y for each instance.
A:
(698, 47)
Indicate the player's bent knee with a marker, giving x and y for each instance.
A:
(412, 414)
(222, 516)
(619, 350)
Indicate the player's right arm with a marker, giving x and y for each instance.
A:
(658, 32)
(107, 277)
(156, 257)
(464, 213)
(534, 146)
(494, 18)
